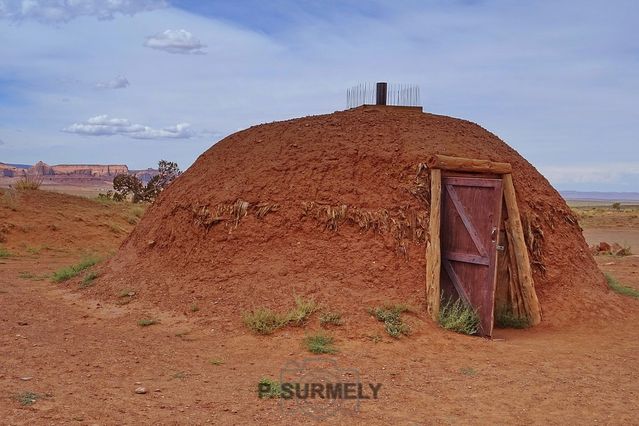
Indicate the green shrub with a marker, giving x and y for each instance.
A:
(457, 316)
(28, 398)
(320, 343)
(302, 311)
(504, 318)
(331, 318)
(88, 279)
(268, 388)
(4, 253)
(29, 183)
(617, 287)
(69, 272)
(264, 321)
(391, 316)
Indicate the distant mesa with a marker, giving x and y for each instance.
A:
(102, 172)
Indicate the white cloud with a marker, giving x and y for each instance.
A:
(175, 41)
(601, 173)
(119, 82)
(51, 11)
(103, 125)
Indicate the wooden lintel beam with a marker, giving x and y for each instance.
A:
(460, 164)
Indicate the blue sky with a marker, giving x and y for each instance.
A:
(125, 81)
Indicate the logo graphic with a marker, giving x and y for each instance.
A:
(318, 388)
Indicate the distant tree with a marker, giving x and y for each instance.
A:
(616, 206)
(125, 185)
(168, 171)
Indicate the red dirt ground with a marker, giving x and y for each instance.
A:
(84, 356)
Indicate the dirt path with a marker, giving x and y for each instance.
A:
(85, 360)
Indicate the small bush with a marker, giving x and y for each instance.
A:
(69, 272)
(28, 398)
(320, 344)
(4, 253)
(264, 321)
(216, 362)
(34, 250)
(303, 309)
(147, 322)
(194, 308)
(617, 287)
(8, 200)
(268, 388)
(88, 279)
(107, 199)
(29, 183)
(390, 315)
(331, 318)
(504, 318)
(457, 316)
(616, 206)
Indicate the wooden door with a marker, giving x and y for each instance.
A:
(471, 213)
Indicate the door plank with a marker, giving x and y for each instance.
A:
(466, 219)
(456, 282)
(468, 258)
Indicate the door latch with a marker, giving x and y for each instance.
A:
(500, 248)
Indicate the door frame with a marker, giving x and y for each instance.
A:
(437, 163)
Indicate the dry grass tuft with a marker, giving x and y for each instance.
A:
(402, 223)
(390, 315)
(231, 213)
(29, 183)
(265, 321)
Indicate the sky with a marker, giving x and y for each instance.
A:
(133, 82)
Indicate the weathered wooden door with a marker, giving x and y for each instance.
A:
(471, 212)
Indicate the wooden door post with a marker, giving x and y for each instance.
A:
(524, 271)
(433, 249)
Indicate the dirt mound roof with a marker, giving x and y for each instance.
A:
(330, 206)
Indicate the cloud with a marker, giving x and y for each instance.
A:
(119, 82)
(601, 173)
(103, 125)
(175, 41)
(53, 11)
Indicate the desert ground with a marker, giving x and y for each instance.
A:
(68, 357)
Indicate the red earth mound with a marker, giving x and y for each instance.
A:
(332, 207)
